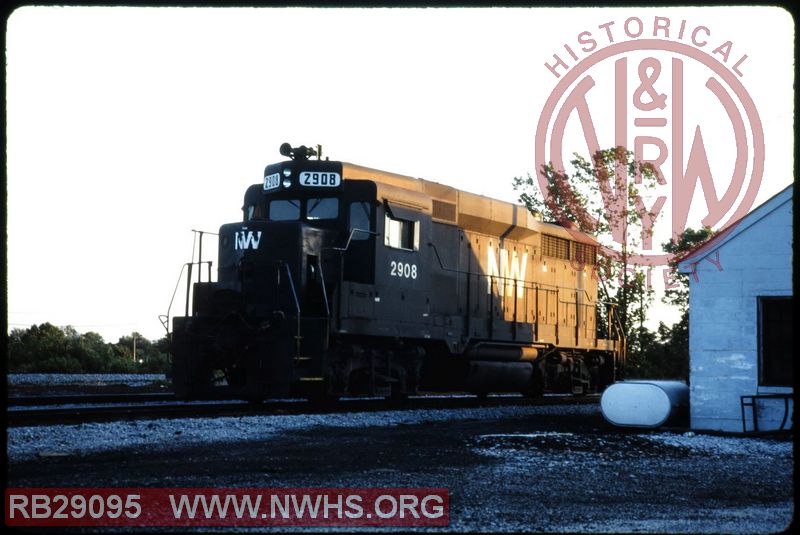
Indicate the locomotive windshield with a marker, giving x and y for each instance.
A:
(325, 208)
(313, 209)
(284, 210)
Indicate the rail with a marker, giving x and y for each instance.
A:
(31, 416)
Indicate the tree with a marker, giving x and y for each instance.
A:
(39, 348)
(46, 348)
(150, 356)
(677, 294)
(665, 353)
(675, 339)
(604, 198)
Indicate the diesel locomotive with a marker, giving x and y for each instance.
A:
(346, 280)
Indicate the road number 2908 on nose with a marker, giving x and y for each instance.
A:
(325, 180)
(403, 270)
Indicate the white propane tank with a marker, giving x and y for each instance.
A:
(644, 403)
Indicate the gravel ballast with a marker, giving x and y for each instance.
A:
(522, 468)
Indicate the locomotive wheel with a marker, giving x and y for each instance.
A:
(319, 395)
(536, 386)
(236, 377)
(397, 394)
(191, 384)
(191, 379)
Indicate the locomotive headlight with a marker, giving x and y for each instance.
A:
(287, 172)
(287, 182)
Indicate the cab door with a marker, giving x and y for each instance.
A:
(402, 270)
(359, 257)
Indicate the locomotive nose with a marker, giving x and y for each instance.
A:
(276, 265)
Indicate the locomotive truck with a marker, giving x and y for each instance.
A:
(345, 280)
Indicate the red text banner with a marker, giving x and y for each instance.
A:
(227, 507)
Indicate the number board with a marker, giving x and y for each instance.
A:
(324, 179)
(272, 181)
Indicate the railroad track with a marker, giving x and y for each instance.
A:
(72, 399)
(152, 408)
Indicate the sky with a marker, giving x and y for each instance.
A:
(129, 127)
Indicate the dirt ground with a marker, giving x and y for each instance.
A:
(546, 471)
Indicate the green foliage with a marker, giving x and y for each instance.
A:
(678, 295)
(604, 198)
(46, 348)
(663, 354)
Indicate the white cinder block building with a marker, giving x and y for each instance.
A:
(740, 323)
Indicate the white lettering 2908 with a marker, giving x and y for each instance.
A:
(406, 271)
(329, 179)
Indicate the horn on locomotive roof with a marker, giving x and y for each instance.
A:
(300, 153)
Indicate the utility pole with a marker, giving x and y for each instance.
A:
(134, 349)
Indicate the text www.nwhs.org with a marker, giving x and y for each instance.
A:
(293, 506)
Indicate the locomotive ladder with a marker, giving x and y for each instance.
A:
(298, 337)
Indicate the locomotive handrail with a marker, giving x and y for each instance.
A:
(341, 251)
(617, 327)
(296, 305)
(199, 279)
(350, 238)
(524, 284)
(200, 232)
(291, 286)
(324, 289)
(165, 320)
(620, 332)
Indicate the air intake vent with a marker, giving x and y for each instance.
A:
(445, 211)
(555, 247)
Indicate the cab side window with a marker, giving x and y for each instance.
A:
(255, 211)
(360, 213)
(401, 233)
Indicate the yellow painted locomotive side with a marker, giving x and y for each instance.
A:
(538, 280)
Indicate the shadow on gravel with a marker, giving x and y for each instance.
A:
(613, 446)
